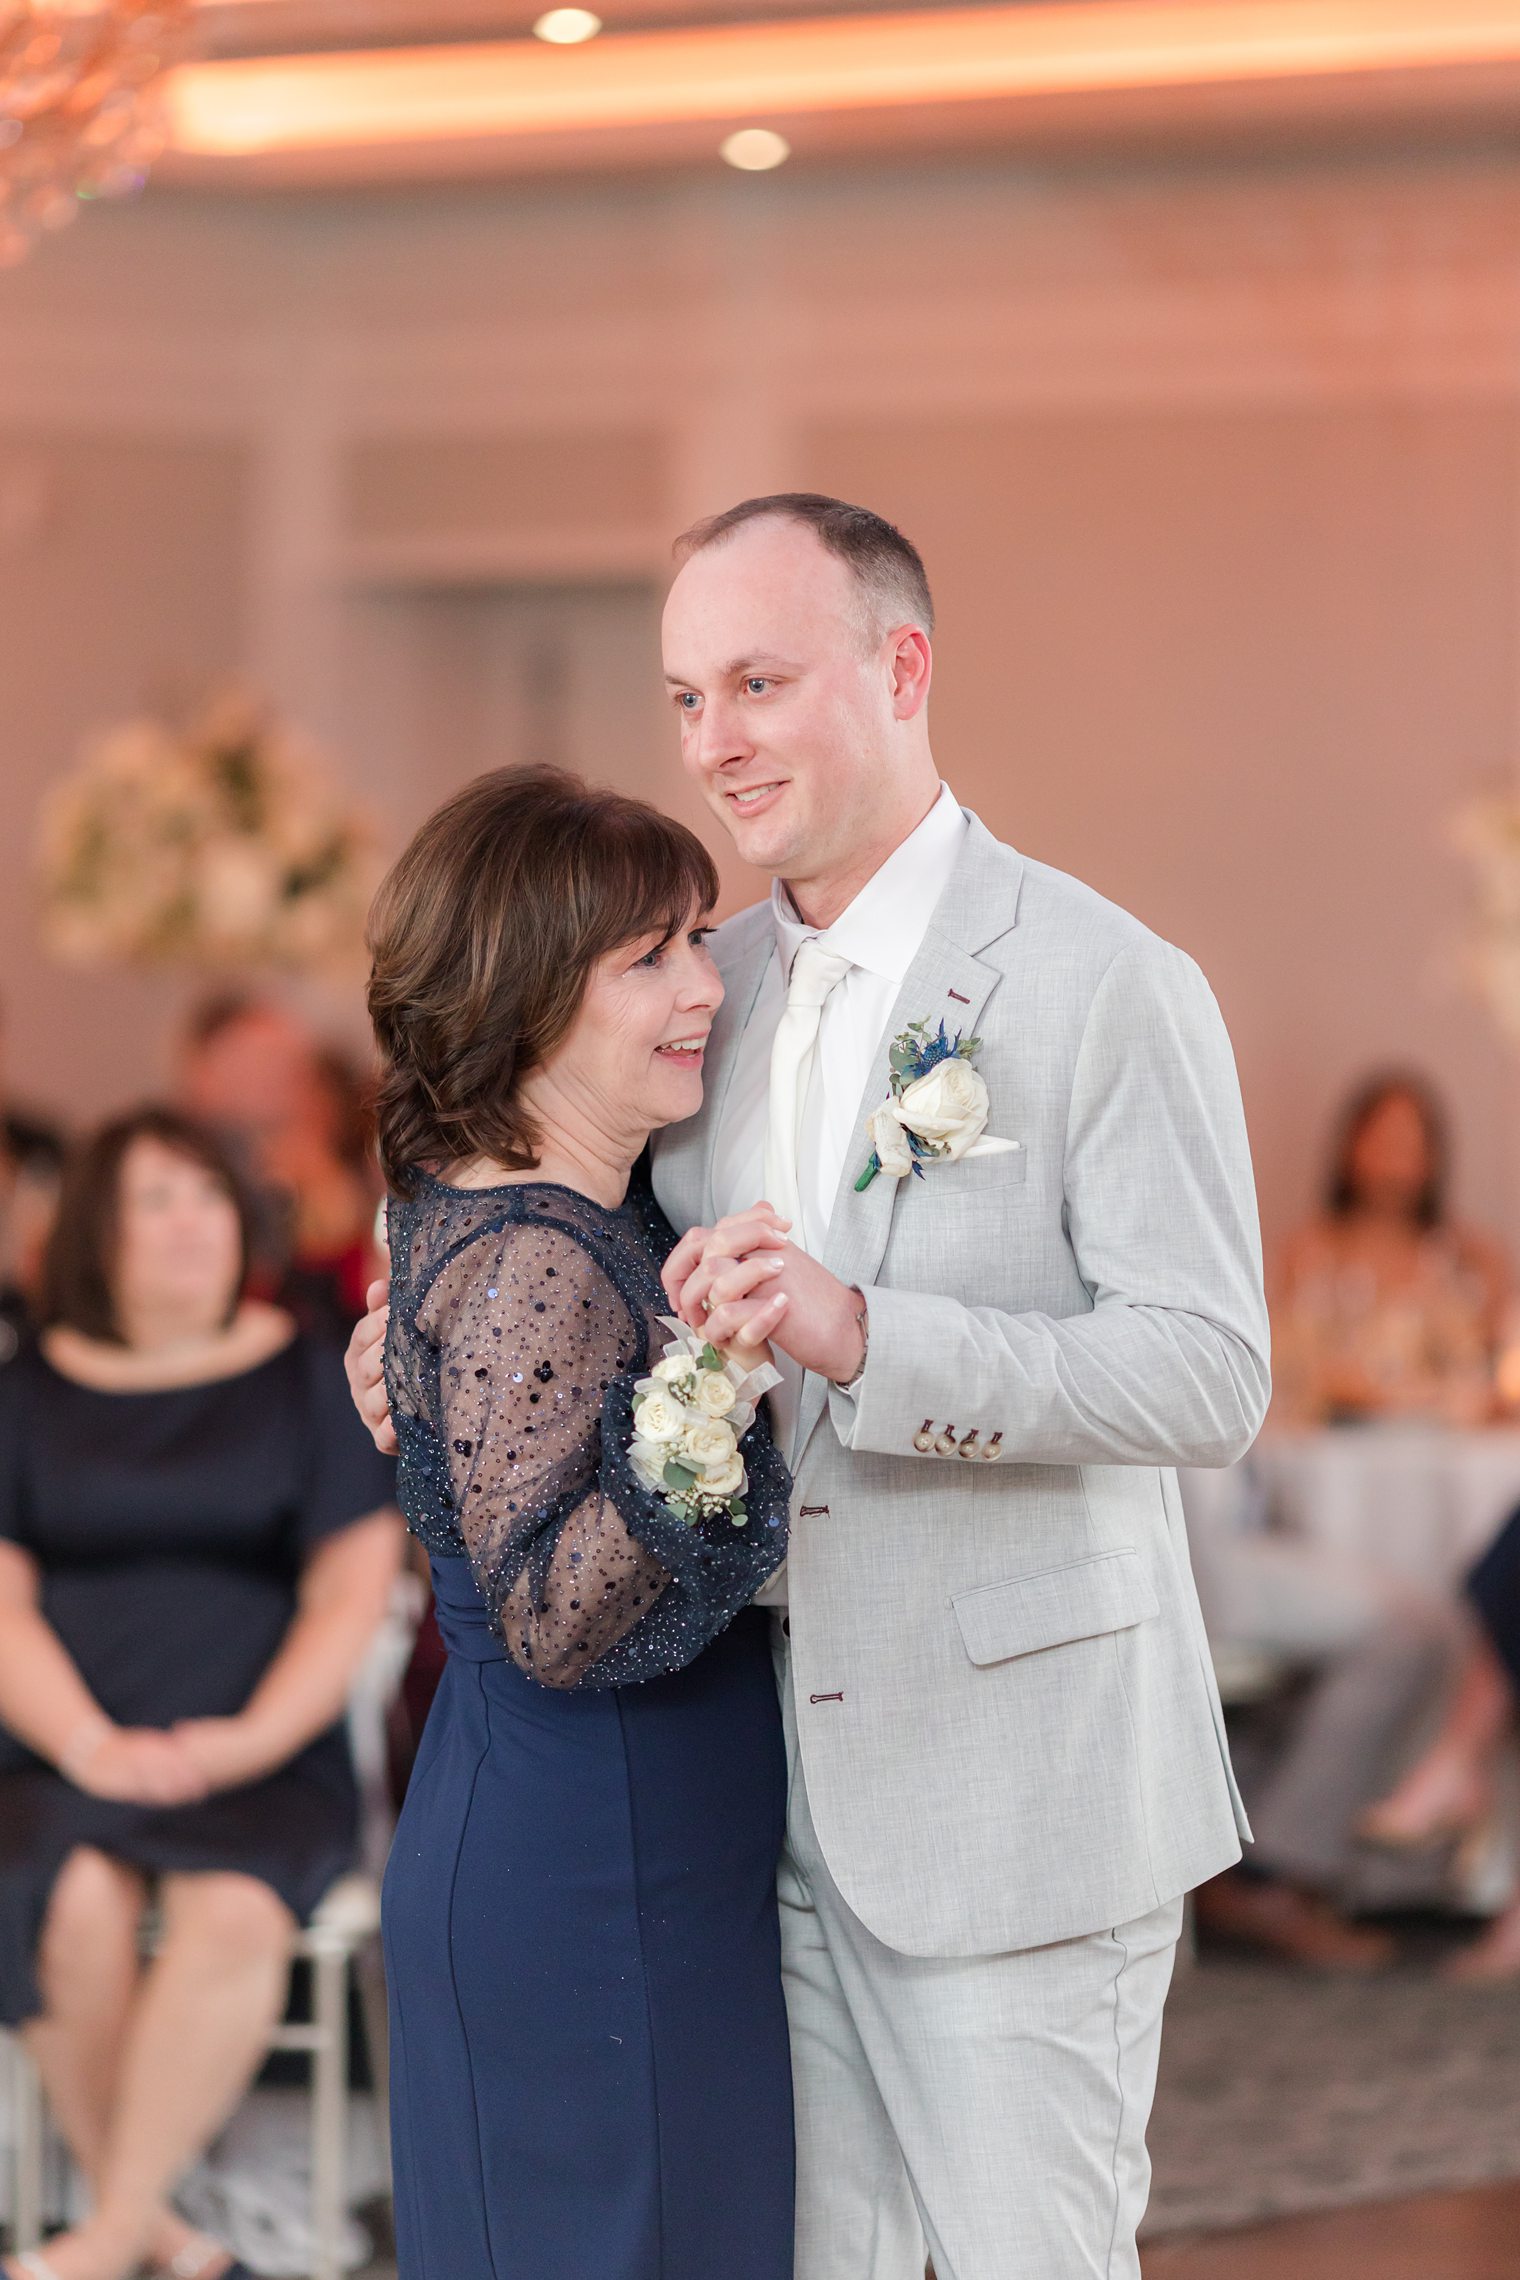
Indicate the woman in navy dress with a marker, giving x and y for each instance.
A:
(197, 1542)
(590, 2070)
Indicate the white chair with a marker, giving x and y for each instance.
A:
(341, 1939)
(28, 2122)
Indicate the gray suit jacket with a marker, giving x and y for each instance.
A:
(1008, 1717)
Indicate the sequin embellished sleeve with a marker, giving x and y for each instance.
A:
(593, 1582)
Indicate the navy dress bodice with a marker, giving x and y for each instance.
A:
(590, 2069)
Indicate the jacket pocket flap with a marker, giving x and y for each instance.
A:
(1000, 1620)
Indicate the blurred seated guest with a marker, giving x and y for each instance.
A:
(1449, 1794)
(31, 1159)
(1385, 1307)
(323, 1160)
(241, 1065)
(197, 1543)
(1360, 1658)
(295, 1116)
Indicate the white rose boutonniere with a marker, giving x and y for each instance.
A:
(689, 1416)
(936, 1112)
(948, 1108)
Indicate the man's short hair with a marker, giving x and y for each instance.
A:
(886, 567)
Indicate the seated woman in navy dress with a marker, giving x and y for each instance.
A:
(197, 1541)
(590, 2072)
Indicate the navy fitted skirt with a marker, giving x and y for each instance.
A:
(590, 2077)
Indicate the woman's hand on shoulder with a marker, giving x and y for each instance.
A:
(364, 1363)
(140, 1765)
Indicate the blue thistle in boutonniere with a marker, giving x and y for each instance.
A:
(936, 1111)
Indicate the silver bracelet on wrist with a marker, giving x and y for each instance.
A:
(863, 1317)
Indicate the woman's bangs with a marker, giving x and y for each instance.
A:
(653, 878)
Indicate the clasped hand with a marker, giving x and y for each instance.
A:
(743, 1282)
(148, 1765)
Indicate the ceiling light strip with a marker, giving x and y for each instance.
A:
(959, 55)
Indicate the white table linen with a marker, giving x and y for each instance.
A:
(1420, 1501)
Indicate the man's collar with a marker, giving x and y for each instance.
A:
(882, 928)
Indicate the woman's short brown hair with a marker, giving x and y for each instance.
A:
(1428, 1208)
(79, 1265)
(483, 937)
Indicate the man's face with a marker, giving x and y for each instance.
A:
(785, 702)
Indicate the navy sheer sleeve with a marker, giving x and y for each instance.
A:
(512, 1361)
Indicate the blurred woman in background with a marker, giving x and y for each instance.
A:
(296, 1117)
(323, 1160)
(1385, 1307)
(196, 1547)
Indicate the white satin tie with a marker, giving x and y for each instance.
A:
(815, 973)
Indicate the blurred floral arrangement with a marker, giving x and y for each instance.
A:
(1487, 832)
(219, 844)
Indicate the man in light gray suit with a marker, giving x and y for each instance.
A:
(1008, 1759)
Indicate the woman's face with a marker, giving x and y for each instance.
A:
(178, 1245)
(1390, 1156)
(632, 1060)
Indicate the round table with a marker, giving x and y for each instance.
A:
(1421, 1500)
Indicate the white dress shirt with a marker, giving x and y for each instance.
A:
(880, 933)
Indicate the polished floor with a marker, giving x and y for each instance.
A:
(1445, 2236)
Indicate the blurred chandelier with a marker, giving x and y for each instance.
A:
(80, 111)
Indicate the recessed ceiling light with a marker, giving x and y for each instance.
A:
(754, 150)
(567, 27)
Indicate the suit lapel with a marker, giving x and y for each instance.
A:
(947, 981)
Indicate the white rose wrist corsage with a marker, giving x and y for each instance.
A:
(689, 1416)
(936, 1112)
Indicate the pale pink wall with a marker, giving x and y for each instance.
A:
(120, 587)
(1236, 666)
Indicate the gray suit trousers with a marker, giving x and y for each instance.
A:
(986, 2111)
